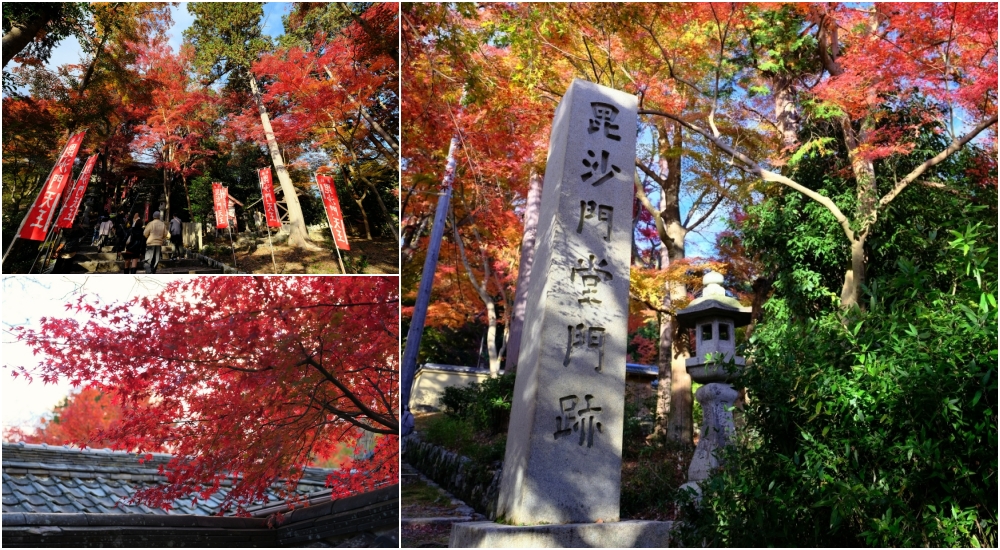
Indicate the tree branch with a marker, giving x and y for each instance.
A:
(763, 173)
(954, 146)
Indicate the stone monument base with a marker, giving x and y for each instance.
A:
(621, 534)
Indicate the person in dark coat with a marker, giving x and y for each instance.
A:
(135, 245)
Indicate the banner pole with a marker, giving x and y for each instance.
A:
(271, 246)
(17, 235)
(334, 238)
(332, 235)
(231, 244)
(263, 203)
(339, 260)
(41, 247)
(54, 229)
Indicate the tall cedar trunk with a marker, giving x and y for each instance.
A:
(298, 235)
(531, 212)
(786, 111)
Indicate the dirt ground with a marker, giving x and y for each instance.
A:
(376, 257)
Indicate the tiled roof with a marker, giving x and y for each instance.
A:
(46, 479)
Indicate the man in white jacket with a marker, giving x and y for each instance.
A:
(156, 234)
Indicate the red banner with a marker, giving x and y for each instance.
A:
(36, 224)
(267, 192)
(221, 199)
(329, 192)
(72, 205)
(145, 218)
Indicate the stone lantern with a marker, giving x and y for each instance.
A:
(714, 318)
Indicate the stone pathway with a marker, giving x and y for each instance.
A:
(428, 511)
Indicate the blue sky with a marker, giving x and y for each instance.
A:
(68, 51)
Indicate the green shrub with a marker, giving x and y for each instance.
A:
(448, 432)
(874, 428)
(485, 405)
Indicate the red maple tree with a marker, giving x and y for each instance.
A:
(249, 378)
(76, 419)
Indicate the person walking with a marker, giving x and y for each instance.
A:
(135, 246)
(103, 231)
(175, 232)
(155, 233)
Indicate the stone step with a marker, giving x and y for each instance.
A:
(96, 256)
(181, 262)
(97, 266)
(201, 270)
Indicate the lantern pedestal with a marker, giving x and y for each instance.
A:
(717, 429)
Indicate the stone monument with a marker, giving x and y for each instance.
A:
(562, 469)
(714, 317)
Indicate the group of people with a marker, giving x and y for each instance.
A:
(135, 241)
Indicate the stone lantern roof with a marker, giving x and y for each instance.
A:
(713, 303)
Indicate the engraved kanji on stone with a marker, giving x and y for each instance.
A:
(590, 276)
(604, 115)
(571, 420)
(592, 338)
(590, 210)
(599, 168)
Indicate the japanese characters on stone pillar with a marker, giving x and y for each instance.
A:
(563, 458)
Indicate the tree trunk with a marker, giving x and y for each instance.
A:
(391, 140)
(680, 427)
(855, 277)
(867, 197)
(298, 235)
(167, 180)
(786, 111)
(21, 35)
(187, 194)
(675, 404)
(531, 213)
(364, 216)
(166, 194)
(378, 198)
(411, 237)
(481, 290)
(664, 371)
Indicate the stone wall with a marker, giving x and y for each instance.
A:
(477, 485)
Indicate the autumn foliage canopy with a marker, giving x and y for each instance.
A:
(249, 378)
(79, 416)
